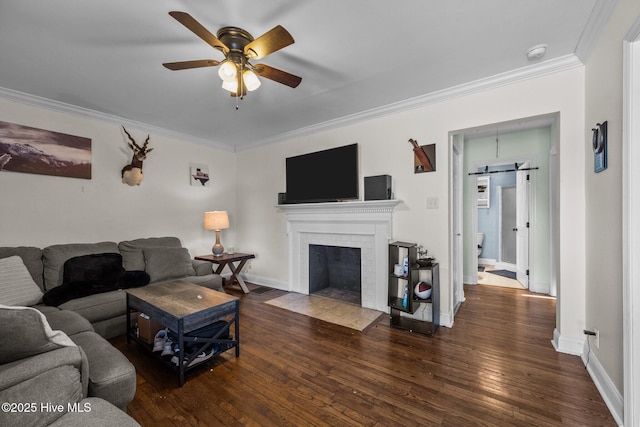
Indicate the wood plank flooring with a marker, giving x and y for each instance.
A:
(495, 367)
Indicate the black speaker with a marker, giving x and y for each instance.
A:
(282, 198)
(377, 187)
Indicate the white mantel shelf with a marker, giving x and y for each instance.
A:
(337, 207)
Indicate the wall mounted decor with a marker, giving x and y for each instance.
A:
(199, 175)
(132, 173)
(43, 152)
(483, 192)
(599, 144)
(424, 159)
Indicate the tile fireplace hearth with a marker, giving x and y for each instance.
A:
(366, 225)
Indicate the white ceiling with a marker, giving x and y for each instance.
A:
(355, 57)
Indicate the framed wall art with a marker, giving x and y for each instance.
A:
(426, 163)
(43, 152)
(199, 175)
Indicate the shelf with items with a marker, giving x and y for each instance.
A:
(483, 189)
(402, 256)
(426, 319)
(407, 310)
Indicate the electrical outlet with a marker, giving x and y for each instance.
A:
(597, 340)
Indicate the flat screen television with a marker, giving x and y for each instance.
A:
(323, 176)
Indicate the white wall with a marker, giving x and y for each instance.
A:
(39, 210)
(603, 83)
(384, 150)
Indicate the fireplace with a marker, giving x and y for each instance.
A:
(364, 225)
(335, 272)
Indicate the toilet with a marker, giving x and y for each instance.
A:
(479, 241)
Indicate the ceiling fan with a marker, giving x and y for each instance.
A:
(238, 46)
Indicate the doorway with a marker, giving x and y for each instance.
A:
(503, 223)
(513, 142)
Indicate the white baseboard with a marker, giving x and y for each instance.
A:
(487, 261)
(579, 347)
(505, 266)
(260, 280)
(540, 288)
(470, 280)
(610, 394)
(567, 345)
(446, 320)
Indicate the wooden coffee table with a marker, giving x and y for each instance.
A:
(184, 307)
(229, 259)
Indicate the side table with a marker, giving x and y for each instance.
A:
(229, 259)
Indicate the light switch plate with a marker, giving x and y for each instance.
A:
(432, 203)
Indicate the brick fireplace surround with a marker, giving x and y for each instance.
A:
(361, 224)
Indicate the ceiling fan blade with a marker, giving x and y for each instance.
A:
(200, 31)
(184, 65)
(271, 41)
(277, 75)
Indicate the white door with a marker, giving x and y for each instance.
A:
(457, 256)
(522, 225)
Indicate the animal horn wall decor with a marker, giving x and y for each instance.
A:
(132, 173)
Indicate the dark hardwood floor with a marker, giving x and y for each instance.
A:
(495, 367)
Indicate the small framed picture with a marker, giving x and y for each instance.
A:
(426, 163)
(199, 175)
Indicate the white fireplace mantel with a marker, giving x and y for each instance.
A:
(363, 224)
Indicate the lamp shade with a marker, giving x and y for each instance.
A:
(216, 220)
(231, 86)
(227, 71)
(251, 81)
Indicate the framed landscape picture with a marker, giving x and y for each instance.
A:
(43, 152)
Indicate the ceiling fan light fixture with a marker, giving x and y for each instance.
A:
(250, 79)
(228, 71)
(231, 86)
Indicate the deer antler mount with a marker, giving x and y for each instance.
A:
(132, 173)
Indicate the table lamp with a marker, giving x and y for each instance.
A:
(216, 220)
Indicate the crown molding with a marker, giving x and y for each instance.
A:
(25, 98)
(600, 14)
(557, 65)
(553, 66)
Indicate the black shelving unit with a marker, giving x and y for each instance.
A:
(397, 285)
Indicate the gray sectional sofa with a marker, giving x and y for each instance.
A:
(90, 319)
(163, 258)
(46, 378)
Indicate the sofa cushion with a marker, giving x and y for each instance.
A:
(58, 386)
(68, 322)
(54, 257)
(111, 376)
(132, 250)
(32, 258)
(16, 284)
(167, 263)
(211, 281)
(24, 332)
(99, 306)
